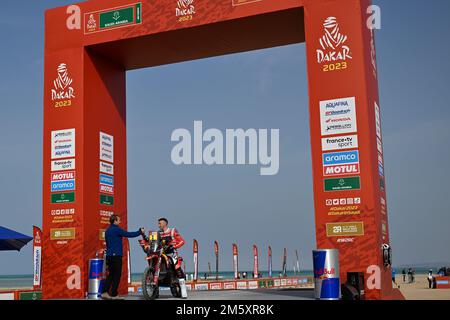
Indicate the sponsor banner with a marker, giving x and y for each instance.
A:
(229, 285)
(345, 229)
(106, 200)
(106, 168)
(255, 262)
(252, 285)
(341, 170)
(215, 286)
(62, 234)
(30, 296)
(106, 147)
(380, 169)
(63, 144)
(338, 116)
(62, 165)
(7, 296)
(112, 18)
(379, 146)
(276, 283)
(58, 186)
(380, 159)
(241, 2)
(340, 143)
(106, 189)
(67, 175)
(101, 234)
(377, 120)
(107, 180)
(37, 256)
(201, 286)
(67, 197)
(342, 184)
(283, 282)
(345, 157)
(241, 285)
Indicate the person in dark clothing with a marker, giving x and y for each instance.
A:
(114, 253)
(404, 275)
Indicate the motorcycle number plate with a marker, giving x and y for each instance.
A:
(153, 236)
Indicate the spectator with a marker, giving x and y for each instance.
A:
(404, 275)
(430, 279)
(393, 275)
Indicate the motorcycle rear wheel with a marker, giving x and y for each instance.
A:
(149, 290)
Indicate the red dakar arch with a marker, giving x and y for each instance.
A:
(84, 177)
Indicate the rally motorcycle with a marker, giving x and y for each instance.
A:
(162, 270)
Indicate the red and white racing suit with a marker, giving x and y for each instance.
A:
(173, 238)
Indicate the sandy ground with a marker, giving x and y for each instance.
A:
(419, 289)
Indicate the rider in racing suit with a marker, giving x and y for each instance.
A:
(173, 241)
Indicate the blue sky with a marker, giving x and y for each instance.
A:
(261, 89)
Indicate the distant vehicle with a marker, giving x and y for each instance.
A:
(444, 271)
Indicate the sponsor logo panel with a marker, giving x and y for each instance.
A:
(63, 144)
(106, 200)
(340, 143)
(106, 147)
(345, 157)
(342, 184)
(107, 180)
(113, 18)
(62, 234)
(338, 116)
(106, 168)
(345, 229)
(106, 189)
(66, 175)
(66, 197)
(58, 186)
(62, 165)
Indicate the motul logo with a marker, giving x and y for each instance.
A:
(69, 175)
(338, 170)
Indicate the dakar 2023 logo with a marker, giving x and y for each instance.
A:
(62, 91)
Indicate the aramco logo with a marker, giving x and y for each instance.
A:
(333, 43)
(62, 85)
(185, 8)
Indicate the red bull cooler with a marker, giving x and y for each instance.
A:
(327, 284)
(96, 278)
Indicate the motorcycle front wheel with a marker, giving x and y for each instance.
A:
(149, 289)
(175, 290)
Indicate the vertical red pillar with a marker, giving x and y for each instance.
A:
(84, 158)
(349, 188)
